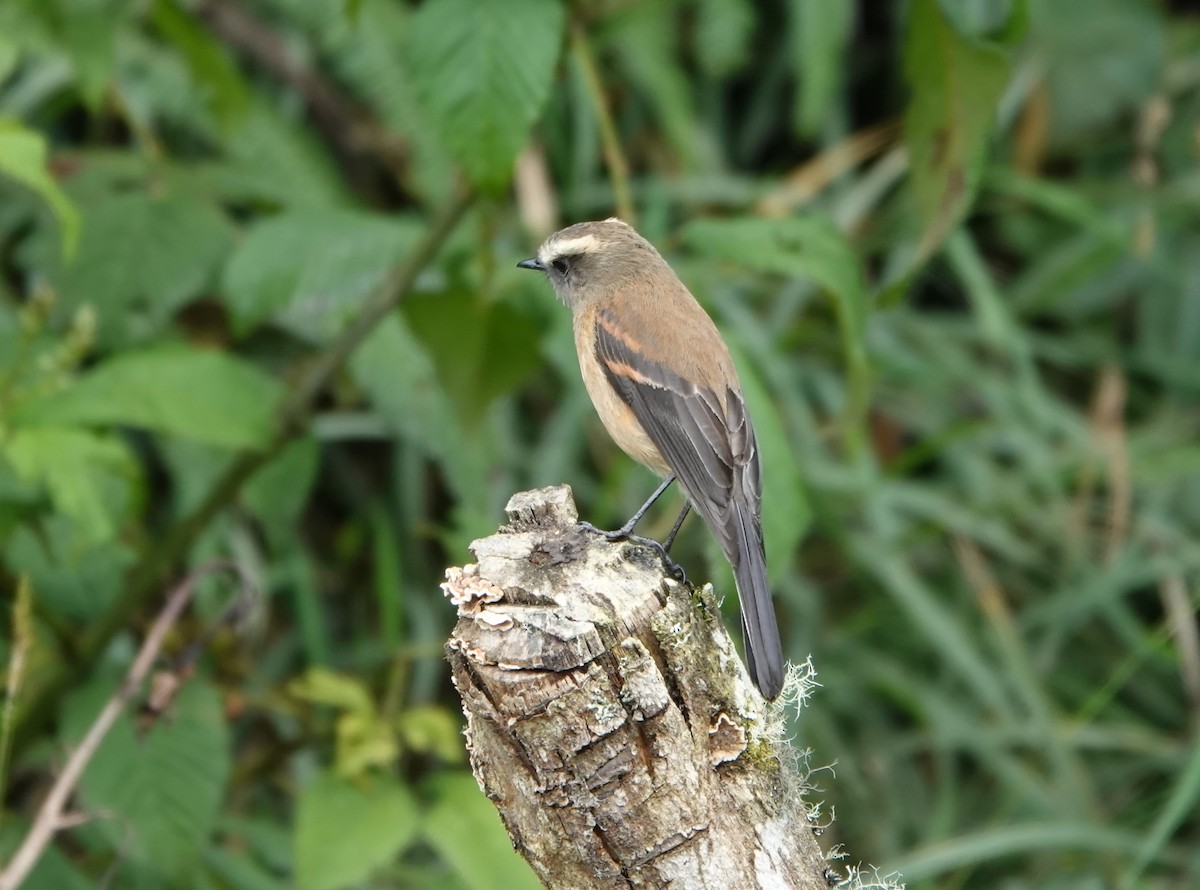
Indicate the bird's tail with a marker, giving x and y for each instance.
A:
(764, 652)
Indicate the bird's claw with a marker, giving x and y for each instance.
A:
(673, 568)
(617, 535)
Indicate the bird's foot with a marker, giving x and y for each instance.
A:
(623, 534)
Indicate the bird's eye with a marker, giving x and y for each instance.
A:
(560, 266)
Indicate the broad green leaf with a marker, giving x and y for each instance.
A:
(235, 871)
(23, 158)
(262, 837)
(482, 349)
(433, 729)
(364, 741)
(987, 18)
(820, 35)
(194, 468)
(400, 376)
(956, 84)
(325, 687)
(10, 56)
(75, 576)
(88, 30)
(459, 811)
(163, 786)
(277, 493)
(482, 70)
(1104, 59)
(199, 394)
(270, 161)
(142, 258)
(371, 58)
(208, 61)
(311, 269)
(346, 830)
(86, 474)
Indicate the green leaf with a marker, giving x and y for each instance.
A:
(79, 469)
(277, 493)
(208, 61)
(76, 576)
(325, 687)
(237, 872)
(262, 838)
(481, 348)
(371, 58)
(432, 729)
(645, 37)
(986, 18)
(724, 29)
(198, 394)
(268, 160)
(23, 157)
(1104, 59)
(820, 35)
(402, 381)
(163, 787)
(808, 246)
(461, 811)
(10, 56)
(483, 70)
(88, 30)
(364, 741)
(346, 830)
(311, 269)
(956, 85)
(141, 258)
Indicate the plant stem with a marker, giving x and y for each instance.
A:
(51, 816)
(614, 156)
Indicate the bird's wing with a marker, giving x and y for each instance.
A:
(712, 451)
(710, 447)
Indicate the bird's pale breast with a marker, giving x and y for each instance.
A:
(616, 416)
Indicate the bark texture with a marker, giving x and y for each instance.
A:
(611, 721)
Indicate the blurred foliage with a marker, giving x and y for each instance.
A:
(952, 244)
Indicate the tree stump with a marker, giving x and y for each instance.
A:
(611, 721)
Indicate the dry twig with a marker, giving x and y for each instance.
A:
(53, 817)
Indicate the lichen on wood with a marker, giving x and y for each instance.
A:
(610, 719)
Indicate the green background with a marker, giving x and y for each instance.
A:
(952, 245)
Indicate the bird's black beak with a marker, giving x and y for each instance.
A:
(531, 263)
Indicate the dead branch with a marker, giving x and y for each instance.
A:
(53, 817)
(611, 721)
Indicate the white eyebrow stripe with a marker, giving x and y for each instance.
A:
(582, 244)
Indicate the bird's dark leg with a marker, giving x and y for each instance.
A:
(687, 508)
(625, 532)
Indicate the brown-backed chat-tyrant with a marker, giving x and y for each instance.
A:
(666, 390)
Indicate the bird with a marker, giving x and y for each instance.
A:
(664, 385)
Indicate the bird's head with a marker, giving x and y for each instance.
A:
(588, 260)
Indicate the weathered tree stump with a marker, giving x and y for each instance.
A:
(611, 721)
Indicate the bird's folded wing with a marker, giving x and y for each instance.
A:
(709, 447)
